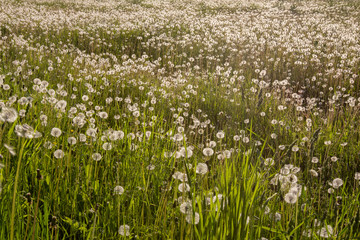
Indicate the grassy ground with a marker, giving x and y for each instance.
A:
(179, 119)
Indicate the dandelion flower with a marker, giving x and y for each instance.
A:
(292, 178)
(103, 115)
(61, 105)
(48, 145)
(326, 232)
(212, 144)
(290, 198)
(277, 216)
(180, 176)
(269, 162)
(96, 156)
(26, 131)
(150, 167)
(178, 137)
(314, 160)
(72, 140)
(55, 132)
(124, 230)
(91, 132)
(295, 148)
(59, 154)
(201, 168)
(120, 134)
(337, 182)
(184, 187)
(313, 173)
(107, 146)
(186, 207)
(357, 176)
(8, 115)
(78, 122)
(296, 190)
(237, 138)
(11, 149)
(217, 197)
(193, 218)
(119, 190)
(307, 233)
(82, 137)
(220, 135)
(186, 152)
(284, 171)
(226, 154)
(208, 152)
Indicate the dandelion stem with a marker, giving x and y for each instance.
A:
(36, 211)
(12, 219)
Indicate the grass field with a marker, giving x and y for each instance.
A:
(179, 119)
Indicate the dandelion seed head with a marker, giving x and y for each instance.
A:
(96, 156)
(118, 190)
(55, 132)
(326, 232)
(8, 115)
(72, 140)
(295, 148)
(150, 167)
(337, 182)
(184, 187)
(193, 218)
(186, 207)
(290, 198)
(269, 162)
(277, 216)
(357, 176)
(59, 154)
(208, 152)
(124, 230)
(313, 173)
(107, 146)
(314, 160)
(11, 149)
(220, 135)
(201, 168)
(180, 176)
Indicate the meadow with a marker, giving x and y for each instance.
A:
(179, 119)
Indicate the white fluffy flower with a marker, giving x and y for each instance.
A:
(59, 154)
(119, 190)
(124, 230)
(208, 152)
(201, 168)
(290, 198)
(193, 218)
(56, 132)
(337, 182)
(186, 207)
(184, 187)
